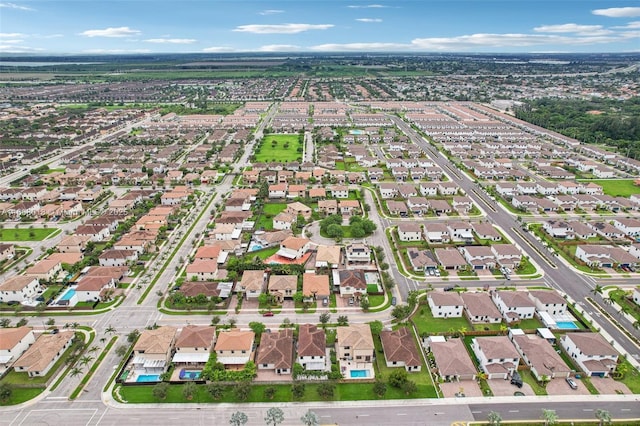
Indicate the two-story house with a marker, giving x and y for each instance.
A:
(276, 351)
(496, 355)
(591, 352)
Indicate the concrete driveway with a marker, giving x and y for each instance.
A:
(469, 388)
(608, 386)
(501, 387)
(559, 386)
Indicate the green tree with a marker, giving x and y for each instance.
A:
(398, 378)
(75, 371)
(258, 328)
(365, 304)
(122, 350)
(269, 392)
(343, 320)
(215, 320)
(216, 390)
(5, 392)
(110, 330)
(357, 231)
(297, 390)
(379, 388)
(326, 390)
(603, 416)
(274, 416)
(5, 322)
(401, 312)
(85, 360)
(238, 419)
(409, 387)
(22, 322)
(324, 318)
(133, 336)
(549, 417)
(412, 298)
(188, 390)
(494, 418)
(242, 390)
(334, 231)
(310, 419)
(160, 390)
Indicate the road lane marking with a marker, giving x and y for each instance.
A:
(514, 411)
(401, 414)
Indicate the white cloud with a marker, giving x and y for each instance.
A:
(218, 49)
(474, 41)
(281, 28)
(11, 35)
(366, 47)
(9, 48)
(12, 41)
(630, 26)
(588, 30)
(270, 12)
(367, 6)
(279, 48)
(171, 40)
(111, 32)
(16, 6)
(618, 12)
(369, 20)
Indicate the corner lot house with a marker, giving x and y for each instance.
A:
(13, 343)
(400, 349)
(43, 354)
(409, 232)
(445, 305)
(193, 346)
(352, 283)
(19, 288)
(312, 354)
(235, 348)
(591, 352)
(452, 360)
(276, 352)
(497, 357)
(153, 350)
(549, 301)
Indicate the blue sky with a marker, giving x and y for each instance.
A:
(140, 26)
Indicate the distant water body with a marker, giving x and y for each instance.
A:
(42, 64)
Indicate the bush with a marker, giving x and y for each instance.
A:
(160, 390)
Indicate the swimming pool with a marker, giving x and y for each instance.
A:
(146, 378)
(68, 295)
(355, 132)
(190, 374)
(566, 325)
(358, 373)
(255, 246)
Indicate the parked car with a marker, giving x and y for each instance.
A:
(325, 301)
(393, 301)
(572, 383)
(268, 314)
(516, 379)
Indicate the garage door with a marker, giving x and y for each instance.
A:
(597, 374)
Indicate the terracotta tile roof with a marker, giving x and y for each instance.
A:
(156, 341)
(357, 336)
(452, 358)
(399, 346)
(43, 351)
(9, 337)
(235, 340)
(311, 341)
(196, 336)
(276, 348)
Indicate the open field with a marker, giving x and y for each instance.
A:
(284, 150)
(35, 234)
(616, 187)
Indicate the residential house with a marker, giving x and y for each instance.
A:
(202, 270)
(7, 251)
(311, 349)
(14, 341)
(398, 208)
(460, 231)
(421, 260)
(282, 286)
(539, 355)
(328, 256)
(452, 360)
(400, 349)
(507, 255)
(194, 345)
(349, 207)
(315, 287)
(604, 256)
(251, 284)
(445, 304)
(276, 351)
(479, 308)
(115, 257)
(549, 301)
(352, 283)
(514, 305)
(19, 288)
(154, 350)
(355, 343)
(339, 191)
(497, 356)
(96, 233)
(43, 354)
(486, 231)
(450, 258)
(630, 227)
(328, 207)
(479, 257)
(283, 221)
(591, 352)
(409, 232)
(45, 270)
(294, 248)
(436, 232)
(278, 190)
(297, 208)
(357, 253)
(234, 348)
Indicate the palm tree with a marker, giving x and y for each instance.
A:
(110, 330)
(603, 416)
(93, 349)
(636, 325)
(597, 290)
(75, 371)
(85, 360)
(494, 418)
(550, 417)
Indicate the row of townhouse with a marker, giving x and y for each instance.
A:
(279, 191)
(425, 189)
(568, 187)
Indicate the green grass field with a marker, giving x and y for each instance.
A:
(267, 151)
(265, 221)
(426, 323)
(35, 234)
(616, 187)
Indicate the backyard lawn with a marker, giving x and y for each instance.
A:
(35, 234)
(284, 149)
(265, 221)
(427, 324)
(616, 187)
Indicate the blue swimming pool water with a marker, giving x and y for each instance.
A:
(359, 373)
(255, 247)
(144, 378)
(69, 294)
(566, 325)
(190, 375)
(355, 132)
